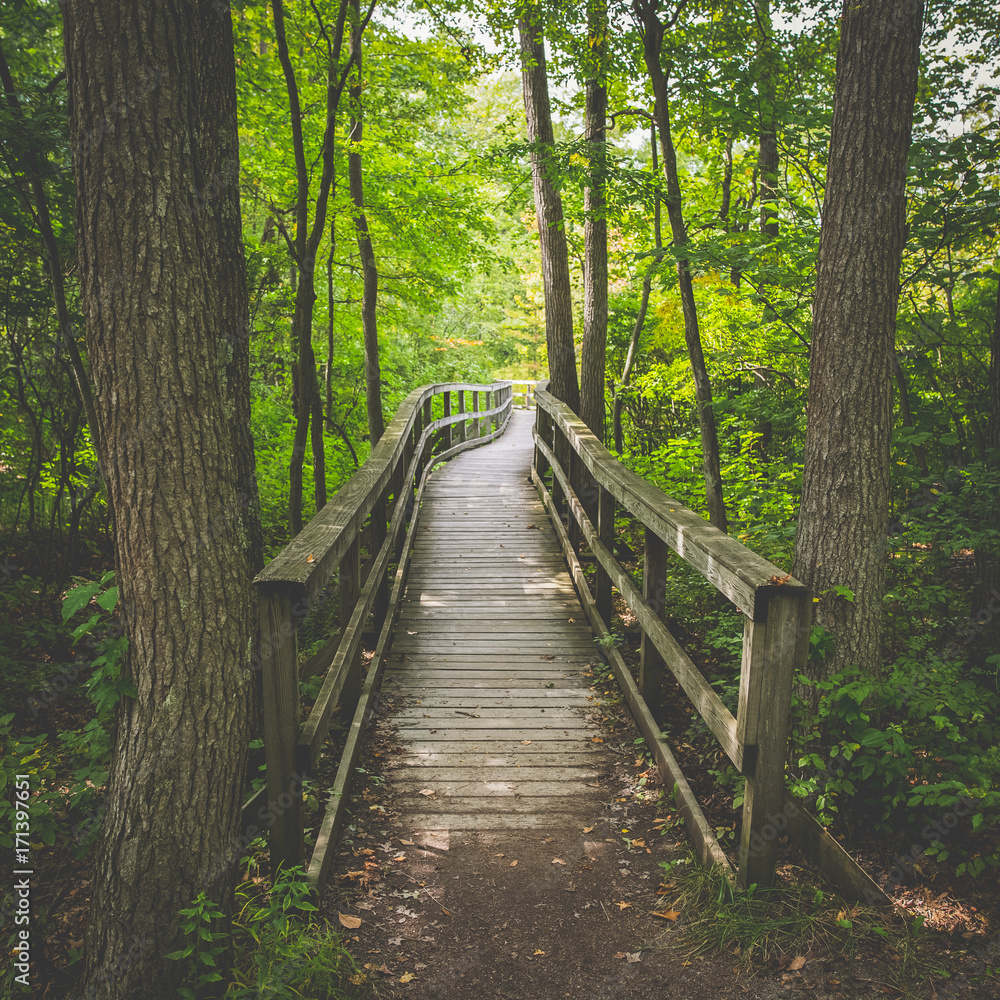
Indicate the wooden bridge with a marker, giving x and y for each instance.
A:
(470, 575)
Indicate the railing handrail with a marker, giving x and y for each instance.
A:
(745, 577)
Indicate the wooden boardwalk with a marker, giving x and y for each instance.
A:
(490, 657)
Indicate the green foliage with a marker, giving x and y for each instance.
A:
(279, 948)
(205, 944)
(106, 686)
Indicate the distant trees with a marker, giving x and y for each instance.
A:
(840, 549)
(163, 289)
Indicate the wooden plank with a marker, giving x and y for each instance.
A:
(854, 883)
(743, 576)
(706, 845)
(428, 760)
(279, 679)
(785, 641)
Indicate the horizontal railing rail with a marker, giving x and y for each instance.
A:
(378, 504)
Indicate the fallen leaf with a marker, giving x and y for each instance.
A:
(587, 829)
(513, 864)
(408, 632)
(426, 791)
(558, 861)
(634, 957)
(619, 954)
(538, 951)
(548, 656)
(407, 976)
(797, 963)
(622, 904)
(408, 843)
(498, 855)
(666, 914)
(310, 558)
(638, 843)
(596, 739)
(400, 857)
(526, 742)
(572, 621)
(348, 921)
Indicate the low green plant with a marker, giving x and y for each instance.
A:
(204, 945)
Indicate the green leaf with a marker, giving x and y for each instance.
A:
(108, 599)
(77, 598)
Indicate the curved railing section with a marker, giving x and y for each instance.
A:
(371, 511)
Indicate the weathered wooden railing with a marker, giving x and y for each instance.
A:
(579, 480)
(377, 504)
(524, 393)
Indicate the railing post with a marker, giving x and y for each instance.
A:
(543, 425)
(475, 409)
(560, 448)
(379, 531)
(774, 651)
(654, 576)
(280, 690)
(572, 468)
(606, 531)
(447, 413)
(350, 591)
(486, 424)
(428, 420)
(460, 427)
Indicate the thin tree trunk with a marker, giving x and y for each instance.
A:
(986, 595)
(904, 408)
(844, 511)
(640, 318)
(165, 346)
(653, 30)
(564, 384)
(38, 204)
(595, 227)
(307, 401)
(369, 266)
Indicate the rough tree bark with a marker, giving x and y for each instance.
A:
(369, 266)
(595, 226)
(152, 99)
(653, 30)
(844, 511)
(548, 209)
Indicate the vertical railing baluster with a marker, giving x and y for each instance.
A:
(350, 590)
(280, 684)
(654, 581)
(774, 651)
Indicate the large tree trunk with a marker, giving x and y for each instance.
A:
(548, 209)
(595, 226)
(845, 491)
(158, 203)
(369, 266)
(653, 30)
